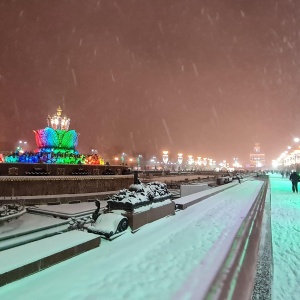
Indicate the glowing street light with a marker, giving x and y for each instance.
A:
(21, 145)
(131, 162)
(123, 157)
(190, 159)
(180, 158)
(165, 157)
(139, 160)
(199, 161)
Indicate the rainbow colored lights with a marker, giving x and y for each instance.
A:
(51, 158)
(57, 139)
(57, 145)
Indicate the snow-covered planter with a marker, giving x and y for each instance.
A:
(11, 211)
(139, 195)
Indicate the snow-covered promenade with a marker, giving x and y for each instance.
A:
(168, 259)
(160, 261)
(285, 220)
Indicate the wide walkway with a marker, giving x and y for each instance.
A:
(164, 260)
(285, 220)
(158, 261)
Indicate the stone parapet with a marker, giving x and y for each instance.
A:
(18, 186)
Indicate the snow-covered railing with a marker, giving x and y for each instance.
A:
(235, 279)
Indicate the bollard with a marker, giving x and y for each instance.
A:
(135, 177)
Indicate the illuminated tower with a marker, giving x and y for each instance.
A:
(57, 137)
(58, 122)
(257, 158)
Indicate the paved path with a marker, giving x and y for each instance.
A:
(285, 221)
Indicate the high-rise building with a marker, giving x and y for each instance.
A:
(257, 159)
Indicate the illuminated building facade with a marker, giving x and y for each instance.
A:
(257, 159)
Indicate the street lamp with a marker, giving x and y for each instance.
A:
(123, 157)
(296, 153)
(199, 162)
(94, 151)
(165, 157)
(153, 163)
(204, 162)
(210, 163)
(139, 160)
(131, 162)
(190, 159)
(22, 144)
(235, 162)
(180, 158)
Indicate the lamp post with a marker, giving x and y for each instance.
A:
(199, 162)
(123, 158)
(139, 161)
(131, 162)
(204, 162)
(235, 162)
(153, 163)
(180, 160)
(94, 151)
(190, 161)
(295, 155)
(210, 163)
(165, 157)
(21, 146)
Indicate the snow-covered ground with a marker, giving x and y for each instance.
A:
(167, 259)
(285, 220)
(159, 261)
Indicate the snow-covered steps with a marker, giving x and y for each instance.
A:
(29, 228)
(19, 262)
(33, 236)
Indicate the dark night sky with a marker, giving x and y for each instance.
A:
(208, 78)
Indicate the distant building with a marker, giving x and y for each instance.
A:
(257, 159)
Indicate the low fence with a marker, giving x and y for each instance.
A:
(24, 169)
(11, 186)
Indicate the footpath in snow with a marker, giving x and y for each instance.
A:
(160, 261)
(285, 220)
